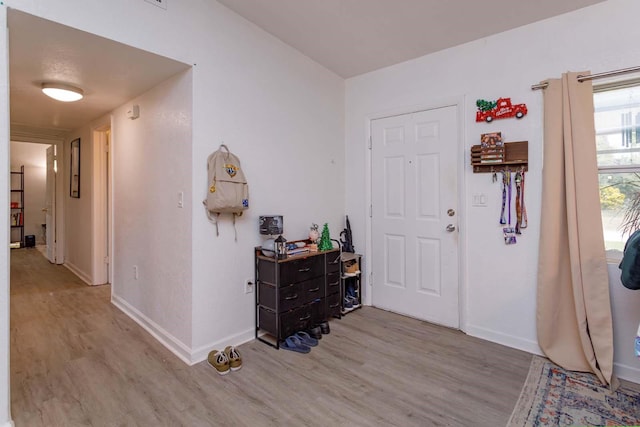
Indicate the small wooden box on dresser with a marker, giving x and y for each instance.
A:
(295, 293)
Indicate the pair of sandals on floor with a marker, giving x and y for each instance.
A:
(300, 342)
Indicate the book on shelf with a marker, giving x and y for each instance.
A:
(298, 251)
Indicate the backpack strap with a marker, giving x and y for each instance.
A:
(213, 219)
(235, 231)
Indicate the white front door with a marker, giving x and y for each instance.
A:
(50, 208)
(414, 215)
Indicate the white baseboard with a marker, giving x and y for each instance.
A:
(81, 274)
(174, 345)
(628, 373)
(200, 354)
(504, 339)
(182, 351)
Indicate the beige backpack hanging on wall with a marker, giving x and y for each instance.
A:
(228, 191)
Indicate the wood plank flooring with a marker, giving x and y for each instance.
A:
(76, 360)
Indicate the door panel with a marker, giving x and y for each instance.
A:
(428, 271)
(414, 183)
(395, 271)
(394, 203)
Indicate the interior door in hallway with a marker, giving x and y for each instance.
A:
(414, 215)
(50, 208)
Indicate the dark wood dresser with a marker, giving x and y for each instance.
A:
(295, 293)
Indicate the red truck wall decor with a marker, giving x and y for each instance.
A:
(500, 109)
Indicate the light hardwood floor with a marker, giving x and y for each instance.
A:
(76, 360)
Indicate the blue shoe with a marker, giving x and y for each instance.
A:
(306, 339)
(354, 301)
(293, 343)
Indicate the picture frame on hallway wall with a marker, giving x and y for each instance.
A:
(74, 182)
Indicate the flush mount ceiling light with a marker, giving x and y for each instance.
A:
(62, 92)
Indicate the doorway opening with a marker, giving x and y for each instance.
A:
(84, 224)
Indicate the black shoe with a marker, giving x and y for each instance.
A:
(315, 332)
(324, 327)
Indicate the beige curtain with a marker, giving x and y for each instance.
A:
(574, 310)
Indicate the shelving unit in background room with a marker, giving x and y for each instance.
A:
(350, 281)
(16, 209)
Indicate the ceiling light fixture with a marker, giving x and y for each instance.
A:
(62, 92)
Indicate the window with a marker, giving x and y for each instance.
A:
(617, 122)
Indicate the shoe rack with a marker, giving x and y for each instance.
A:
(350, 282)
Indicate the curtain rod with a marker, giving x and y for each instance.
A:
(582, 78)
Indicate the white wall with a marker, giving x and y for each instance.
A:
(499, 281)
(283, 115)
(151, 159)
(34, 159)
(78, 211)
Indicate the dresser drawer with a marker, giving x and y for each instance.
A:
(295, 320)
(333, 283)
(267, 271)
(299, 270)
(292, 296)
(314, 289)
(333, 262)
(333, 305)
(317, 311)
(267, 320)
(267, 295)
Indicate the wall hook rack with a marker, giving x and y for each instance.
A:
(516, 157)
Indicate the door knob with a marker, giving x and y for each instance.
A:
(451, 212)
(450, 228)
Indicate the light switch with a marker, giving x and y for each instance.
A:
(181, 199)
(479, 200)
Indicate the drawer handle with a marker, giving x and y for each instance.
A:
(334, 305)
(334, 262)
(307, 317)
(314, 289)
(304, 270)
(334, 283)
(290, 297)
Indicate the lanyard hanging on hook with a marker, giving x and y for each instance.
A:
(518, 180)
(506, 197)
(523, 221)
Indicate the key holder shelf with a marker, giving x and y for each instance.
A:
(516, 157)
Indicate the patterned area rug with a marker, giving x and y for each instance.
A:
(552, 396)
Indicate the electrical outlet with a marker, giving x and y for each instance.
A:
(248, 286)
(135, 272)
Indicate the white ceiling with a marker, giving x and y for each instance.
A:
(110, 73)
(352, 37)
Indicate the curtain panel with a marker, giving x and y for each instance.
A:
(573, 306)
